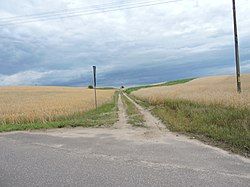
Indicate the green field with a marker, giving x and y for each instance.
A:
(132, 89)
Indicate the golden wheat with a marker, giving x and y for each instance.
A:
(31, 104)
(208, 90)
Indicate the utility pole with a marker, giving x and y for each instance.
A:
(237, 56)
(94, 82)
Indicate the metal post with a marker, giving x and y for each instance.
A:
(94, 82)
(237, 56)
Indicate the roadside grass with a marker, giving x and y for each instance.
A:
(135, 118)
(132, 89)
(225, 127)
(105, 115)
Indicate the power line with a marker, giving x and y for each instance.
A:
(73, 10)
(57, 15)
(47, 16)
(51, 12)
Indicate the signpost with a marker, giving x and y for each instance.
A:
(94, 82)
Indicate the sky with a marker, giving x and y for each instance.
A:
(164, 42)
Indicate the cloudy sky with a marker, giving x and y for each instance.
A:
(181, 39)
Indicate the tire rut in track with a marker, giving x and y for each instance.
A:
(151, 121)
(122, 122)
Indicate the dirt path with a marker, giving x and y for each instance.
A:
(155, 129)
(151, 121)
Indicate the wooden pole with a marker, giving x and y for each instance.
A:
(237, 56)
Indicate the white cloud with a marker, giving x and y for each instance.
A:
(22, 78)
(245, 66)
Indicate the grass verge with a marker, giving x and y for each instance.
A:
(103, 115)
(135, 118)
(132, 89)
(225, 127)
(105, 88)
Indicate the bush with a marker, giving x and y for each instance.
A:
(90, 87)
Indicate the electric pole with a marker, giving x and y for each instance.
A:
(236, 41)
(94, 82)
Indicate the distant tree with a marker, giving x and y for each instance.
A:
(122, 87)
(90, 87)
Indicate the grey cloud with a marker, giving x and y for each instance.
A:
(133, 46)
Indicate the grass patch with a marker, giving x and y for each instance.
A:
(132, 89)
(103, 115)
(225, 127)
(135, 118)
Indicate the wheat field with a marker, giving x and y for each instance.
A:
(44, 104)
(208, 90)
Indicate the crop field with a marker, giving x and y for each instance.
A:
(44, 104)
(219, 90)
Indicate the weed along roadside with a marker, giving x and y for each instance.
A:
(221, 125)
(104, 115)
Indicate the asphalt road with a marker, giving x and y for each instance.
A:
(115, 157)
